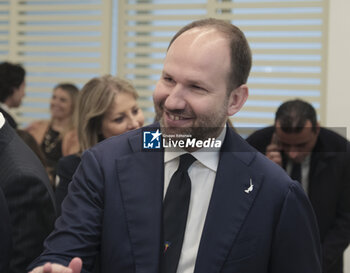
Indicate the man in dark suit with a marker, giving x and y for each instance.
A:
(12, 86)
(29, 209)
(322, 158)
(242, 213)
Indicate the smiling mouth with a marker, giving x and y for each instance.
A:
(173, 117)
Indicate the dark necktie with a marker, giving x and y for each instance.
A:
(175, 210)
(296, 172)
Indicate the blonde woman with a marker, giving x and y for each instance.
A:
(55, 136)
(107, 107)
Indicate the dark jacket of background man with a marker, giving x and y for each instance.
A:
(29, 199)
(329, 191)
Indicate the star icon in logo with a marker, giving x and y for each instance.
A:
(156, 135)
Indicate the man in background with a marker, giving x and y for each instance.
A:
(12, 86)
(320, 160)
(28, 209)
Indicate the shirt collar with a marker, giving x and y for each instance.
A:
(4, 106)
(2, 120)
(209, 159)
(304, 163)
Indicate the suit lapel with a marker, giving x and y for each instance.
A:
(141, 181)
(229, 206)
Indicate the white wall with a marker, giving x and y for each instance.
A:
(338, 93)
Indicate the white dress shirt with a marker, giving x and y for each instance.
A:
(4, 106)
(305, 168)
(202, 174)
(2, 120)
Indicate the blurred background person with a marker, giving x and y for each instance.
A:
(320, 160)
(12, 86)
(53, 135)
(29, 212)
(107, 107)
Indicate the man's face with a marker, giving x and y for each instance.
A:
(297, 146)
(191, 96)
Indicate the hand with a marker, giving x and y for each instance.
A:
(273, 151)
(74, 266)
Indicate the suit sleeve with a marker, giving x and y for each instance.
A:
(296, 219)
(32, 215)
(338, 237)
(78, 230)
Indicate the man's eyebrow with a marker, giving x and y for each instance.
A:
(297, 144)
(165, 74)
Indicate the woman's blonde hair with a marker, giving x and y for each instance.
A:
(95, 99)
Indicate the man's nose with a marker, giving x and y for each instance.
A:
(176, 98)
(293, 154)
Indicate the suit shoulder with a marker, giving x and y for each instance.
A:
(120, 145)
(331, 141)
(18, 160)
(275, 177)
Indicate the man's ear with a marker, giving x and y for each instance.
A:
(236, 99)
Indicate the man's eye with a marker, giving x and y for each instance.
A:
(168, 79)
(199, 88)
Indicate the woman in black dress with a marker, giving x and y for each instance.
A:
(107, 107)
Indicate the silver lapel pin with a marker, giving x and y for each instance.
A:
(250, 189)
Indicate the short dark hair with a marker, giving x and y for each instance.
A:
(292, 116)
(241, 56)
(11, 77)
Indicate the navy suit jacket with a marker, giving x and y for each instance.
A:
(114, 210)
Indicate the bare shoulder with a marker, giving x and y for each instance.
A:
(71, 134)
(38, 124)
(37, 129)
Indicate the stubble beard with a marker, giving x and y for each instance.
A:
(203, 128)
